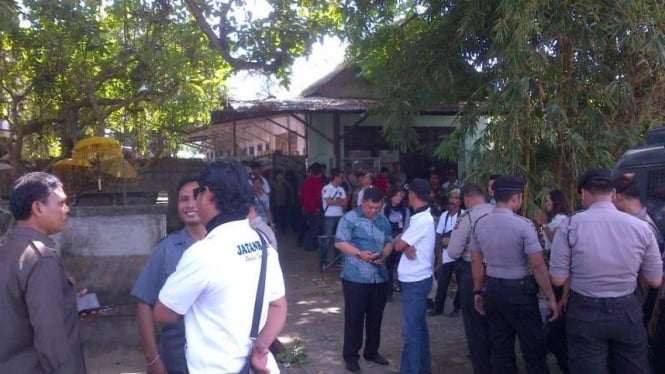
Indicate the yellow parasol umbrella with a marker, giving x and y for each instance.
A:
(119, 168)
(97, 147)
(71, 164)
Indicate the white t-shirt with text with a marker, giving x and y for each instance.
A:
(214, 287)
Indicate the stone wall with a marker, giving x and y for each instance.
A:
(104, 249)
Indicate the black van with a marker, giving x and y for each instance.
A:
(648, 164)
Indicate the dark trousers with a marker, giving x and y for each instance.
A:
(310, 227)
(280, 215)
(658, 341)
(363, 310)
(511, 307)
(556, 338)
(443, 282)
(475, 325)
(604, 331)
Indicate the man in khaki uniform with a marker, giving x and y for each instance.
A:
(39, 327)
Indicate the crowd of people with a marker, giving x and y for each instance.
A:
(586, 286)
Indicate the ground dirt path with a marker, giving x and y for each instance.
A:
(316, 320)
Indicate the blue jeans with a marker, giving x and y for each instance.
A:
(416, 355)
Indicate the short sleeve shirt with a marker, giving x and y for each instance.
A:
(335, 193)
(262, 204)
(162, 263)
(603, 250)
(553, 225)
(419, 234)
(367, 235)
(461, 235)
(214, 287)
(505, 240)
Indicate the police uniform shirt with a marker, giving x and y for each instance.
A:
(602, 250)
(461, 235)
(505, 240)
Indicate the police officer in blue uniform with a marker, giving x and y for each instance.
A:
(506, 292)
(601, 252)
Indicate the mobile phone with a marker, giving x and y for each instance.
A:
(98, 309)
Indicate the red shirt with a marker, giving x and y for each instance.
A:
(310, 195)
(382, 183)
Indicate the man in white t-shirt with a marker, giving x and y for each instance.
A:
(444, 264)
(215, 283)
(415, 275)
(333, 198)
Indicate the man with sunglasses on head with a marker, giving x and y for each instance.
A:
(169, 355)
(216, 281)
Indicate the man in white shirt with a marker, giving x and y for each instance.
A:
(444, 264)
(215, 283)
(333, 198)
(415, 275)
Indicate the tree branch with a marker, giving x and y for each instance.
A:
(221, 43)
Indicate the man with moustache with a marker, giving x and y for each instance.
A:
(40, 321)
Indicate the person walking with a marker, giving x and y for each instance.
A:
(602, 252)
(475, 325)
(40, 321)
(364, 237)
(415, 275)
(505, 292)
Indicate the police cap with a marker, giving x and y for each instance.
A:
(593, 175)
(507, 183)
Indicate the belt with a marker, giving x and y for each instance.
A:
(625, 299)
(507, 282)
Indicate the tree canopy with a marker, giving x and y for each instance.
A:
(145, 72)
(547, 88)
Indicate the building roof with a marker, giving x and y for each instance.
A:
(239, 110)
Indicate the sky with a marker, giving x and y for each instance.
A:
(324, 58)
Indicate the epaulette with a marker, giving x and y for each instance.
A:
(478, 220)
(41, 249)
(570, 220)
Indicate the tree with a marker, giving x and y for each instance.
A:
(74, 69)
(563, 85)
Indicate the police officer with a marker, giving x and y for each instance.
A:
(508, 244)
(601, 252)
(475, 325)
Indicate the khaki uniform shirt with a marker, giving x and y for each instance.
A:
(459, 239)
(602, 250)
(505, 240)
(39, 322)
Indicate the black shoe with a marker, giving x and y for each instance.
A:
(352, 366)
(378, 359)
(435, 312)
(455, 313)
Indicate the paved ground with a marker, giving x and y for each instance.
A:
(315, 320)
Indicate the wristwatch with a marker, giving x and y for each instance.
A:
(477, 292)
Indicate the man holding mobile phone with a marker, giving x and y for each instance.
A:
(364, 236)
(40, 321)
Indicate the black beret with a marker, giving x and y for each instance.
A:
(420, 187)
(593, 175)
(507, 183)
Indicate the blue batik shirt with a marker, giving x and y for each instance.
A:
(366, 235)
(161, 263)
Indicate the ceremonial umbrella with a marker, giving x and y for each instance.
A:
(73, 164)
(97, 148)
(119, 168)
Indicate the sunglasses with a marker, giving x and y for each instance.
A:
(198, 190)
